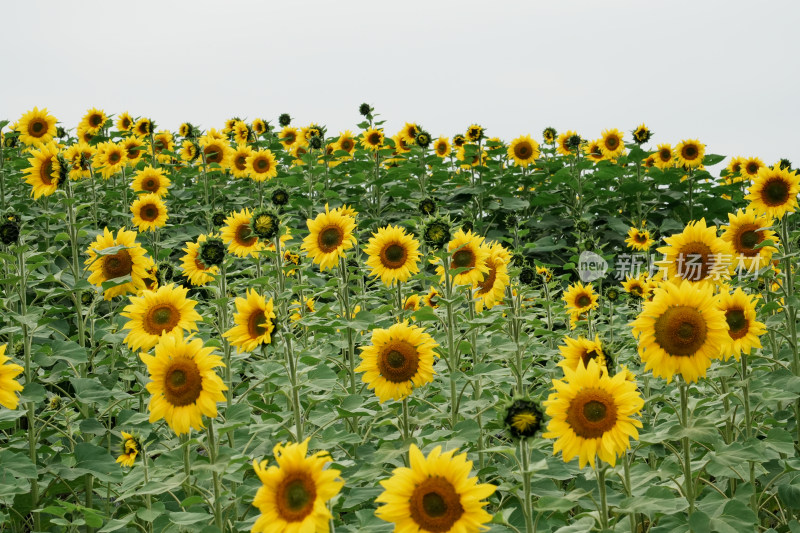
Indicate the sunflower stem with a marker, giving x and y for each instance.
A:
(688, 483)
(527, 503)
(748, 428)
(350, 361)
(626, 464)
(148, 502)
(2, 179)
(223, 326)
(212, 456)
(298, 421)
(405, 419)
(790, 310)
(187, 470)
(600, 470)
(451, 344)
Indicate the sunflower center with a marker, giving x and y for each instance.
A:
(612, 142)
(689, 152)
(463, 259)
(45, 170)
(775, 192)
(330, 238)
(374, 138)
(347, 145)
(399, 362)
(37, 128)
(255, 324)
(435, 505)
(394, 256)
(752, 168)
(737, 323)
(488, 281)
(748, 239)
(114, 157)
(592, 413)
(182, 382)
(588, 356)
(523, 150)
(150, 184)
(213, 154)
(149, 213)
(161, 318)
(262, 165)
(640, 238)
(119, 264)
(95, 120)
(584, 300)
(295, 496)
(244, 236)
(241, 162)
(681, 330)
(665, 155)
(694, 261)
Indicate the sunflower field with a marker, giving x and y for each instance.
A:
(273, 328)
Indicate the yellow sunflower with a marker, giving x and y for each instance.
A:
(79, 156)
(215, 151)
(128, 261)
(638, 286)
(745, 232)
(130, 449)
(346, 142)
(743, 328)
(592, 415)
(124, 122)
(582, 350)
(435, 494)
(294, 494)
(489, 291)
(680, 331)
(441, 147)
(593, 152)
(697, 255)
(523, 151)
(239, 236)
(154, 313)
(331, 234)
(134, 150)
(36, 127)
(241, 132)
(467, 253)
(184, 385)
(259, 126)
(397, 360)
(149, 212)
(639, 239)
(143, 127)
(289, 136)
(255, 322)
(9, 387)
(151, 180)
(110, 158)
(689, 153)
(409, 133)
(580, 298)
(163, 142)
(393, 255)
(750, 167)
(372, 139)
(562, 143)
(261, 165)
(774, 191)
(238, 160)
(611, 144)
(299, 310)
(734, 170)
(192, 266)
(432, 298)
(663, 157)
(93, 121)
(43, 172)
(412, 302)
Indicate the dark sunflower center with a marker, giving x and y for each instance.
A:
(244, 236)
(296, 496)
(182, 382)
(463, 259)
(694, 261)
(487, 284)
(665, 155)
(584, 300)
(752, 168)
(523, 150)
(749, 238)
(588, 356)
(95, 120)
(149, 212)
(119, 264)
(45, 170)
(394, 256)
(775, 192)
(37, 128)
(213, 154)
(640, 238)
(689, 152)
(241, 162)
(374, 138)
(592, 413)
(399, 362)
(347, 145)
(435, 505)
(255, 324)
(737, 323)
(114, 157)
(681, 330)
(262, 165)
(161, 318)
(330, 238)
(612, 142)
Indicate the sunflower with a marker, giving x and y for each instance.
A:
(697, 254)
(689, 153)
(151, 180)
(261, 165)
(93, 121)
(289, 136)
(214, 150)
(750, 167)
(184, 385)
(238, 235)
(611, 144)
(134, 150)
(774, 191)
(412, 302)
(523, 151)
(489, 291)
(680, 331)
(745, 232)
(154, 313)
(294, 494)
(564, 143)
(642, 134)
(473, 159)
(124, 122)
(474, 133)
(8, 385)
(372, 139)
(663, 157)
(131, 446)
(238, 160)
(79, 156)
(190, 152)
(110, 159)
(255, 321)
(592, 415)
(299, 310)
(259, 126)
(549, 135)
(743, 328)
(734, 170)
(128, 261)
(346, 142)
(163, 142)
(441, 147)
(580, 351)
(149, 212)
(435, 494)
(580, 298)
(469, 254)
(432, 298)
(193, 268)
(393, 255)
(398, 359)
(639, 239)
(36, 127)
(522, 418)
(545, 273)
(43, 172)
(241, 132)
(593, 152)
(331, 234)
(143, 127)
(638, 286)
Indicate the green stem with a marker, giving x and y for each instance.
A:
(527, 503)
(350, 361)
(451, 344)
(600, 469)
(298, 421)
(688, 483)
(148, 502)
(212, 455)
(187, 469)
(748, 428)
(626, 464)
(406, 432)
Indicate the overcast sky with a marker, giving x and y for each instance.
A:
(725, 72)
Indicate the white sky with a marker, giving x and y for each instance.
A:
(725, 72)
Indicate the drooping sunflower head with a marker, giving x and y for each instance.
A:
(364, 109)
(212, 251)
(774, 192)
(642, 134)
(284, 120)
(280, 197)
(521, 417)
(412, 302)
(331, 234)
(549, 135)
(187, 130)
(459, 140)
(393, 255)
(611, 144)
(475, 133)
(130, 447)
(689, 153)
(36, 127)
(523, 151)
(423, 139)
(431, 299)
(265, 224)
